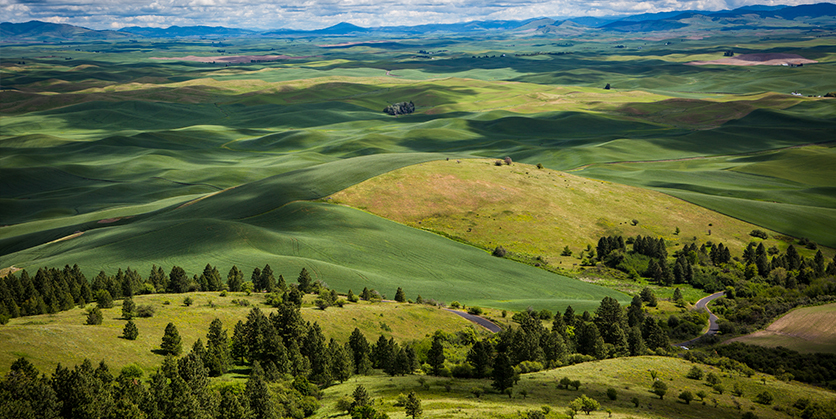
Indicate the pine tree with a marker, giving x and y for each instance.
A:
(130, 332)
(503, 373)
(304, 281)
(360, 351)
(235, 279)
(171, 343)
(217, 352)
(399, 296)
(267, 280)
(95, 316)
(256, 280)
(178, 280)
(261, 403)
(435, 357)
(128, 308)
(361, 397)
(412, 407)
(341, 362)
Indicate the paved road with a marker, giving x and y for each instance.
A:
(487, 324)
(713, 328)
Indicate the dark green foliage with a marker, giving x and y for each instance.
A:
(399, 296)
(361, 397)
(178, 280)
(188, 301)
(130, 332)
(686, 396)
(412, 407)
(94, 317)
(360, 351)
(764, 397)
(217, 358)
(659, 388)
(304, 281)
(234, 281)
(103, 299)
(695, 373)
(145, 311)
(612, 394)
(400, 108)
(171, 343)
(480, 357)
(648, 297)
(261, 401)
(499, 252)
(816, 368)
(435, 357)
(128, 308)
(504, 375)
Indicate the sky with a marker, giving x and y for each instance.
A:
(317, 14)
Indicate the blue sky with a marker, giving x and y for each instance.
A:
(315, 14)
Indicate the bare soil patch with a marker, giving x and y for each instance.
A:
(758, 59)
(808, 329)
(232, 59)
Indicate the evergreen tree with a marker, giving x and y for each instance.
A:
(217, 353)
(317, 352)
(569, 316)
(361, 397)
(130, 332)
(399, 296)
(360, 351)
(128, 308)
(267, 281)
(654, 337)
(412, 407)
(435, 357)
(304, 281)
(480, 357)
(238, 347)
(635, 315)
(231, 407)
(171, 343)
(256, 280)
(103, 299)
(281, 285)
(636, 342)
(178, 280)
(341, 361)
(504, 376)
(261, 400)
(234, 279)
(94, 317)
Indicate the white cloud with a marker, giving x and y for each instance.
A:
(314, 14)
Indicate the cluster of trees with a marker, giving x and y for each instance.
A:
(400, 108)
(180, 388)
(51, 290)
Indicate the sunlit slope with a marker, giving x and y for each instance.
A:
(536, 212)
(260, 223)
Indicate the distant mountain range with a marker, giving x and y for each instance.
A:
(748, 16)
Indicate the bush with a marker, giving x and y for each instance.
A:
(507, 160)
(686, 396)
(529, 366)
(764, 398)
(188, 301)
(455, 304)
(566, 251)
(95, 316)
(145, 311)
(476, 311)
(695, 373)
(612, 394)
(499, 252)
(539, 165)
(497, 163)
(759, 234)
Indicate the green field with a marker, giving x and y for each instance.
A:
(102, 146)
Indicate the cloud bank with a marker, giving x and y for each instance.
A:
(316, 14)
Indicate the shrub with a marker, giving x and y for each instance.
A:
(566, 251)
(499, 252)
(719, 388)
(634, 222)
(659, 388)
(759, 234)
(145, 311)
(612, 394)
(475, 310)
(497, 163)
(738, 390)
(686, 396)
(635, 401)
(764, 398)
(455, 304)
(507, 160)
(130, 332)
(702, 394)
(94, 316)
(695, 373)
(539, 165)
(712, 379)
(188, 301)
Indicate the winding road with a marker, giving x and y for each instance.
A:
(481, 321)
(713, 328)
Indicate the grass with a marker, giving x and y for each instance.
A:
(536, 212)
(629, 376)
(807, 329)
(47, 340)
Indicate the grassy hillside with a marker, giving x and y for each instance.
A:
(47, 340)
(630, 377)
(536, 212)
(807, 329)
